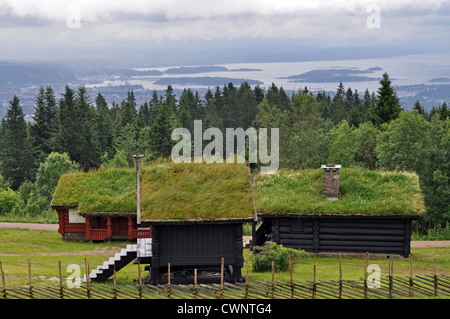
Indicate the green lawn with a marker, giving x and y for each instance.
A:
(45, 249)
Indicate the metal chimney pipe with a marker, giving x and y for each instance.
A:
(138, 160)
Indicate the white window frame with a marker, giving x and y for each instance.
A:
(75, 216)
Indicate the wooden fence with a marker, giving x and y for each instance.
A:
(390, 287)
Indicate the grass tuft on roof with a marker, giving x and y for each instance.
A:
(196, 192)
(169, 191)
(108, 190)
(362, 192)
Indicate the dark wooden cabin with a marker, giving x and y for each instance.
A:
(195, 212)
(336, 210)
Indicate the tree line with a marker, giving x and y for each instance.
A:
(348, 128)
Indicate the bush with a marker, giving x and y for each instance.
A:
(8, 200)
(279, 255)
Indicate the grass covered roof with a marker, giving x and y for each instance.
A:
(196, 192)
(108, 190)
(362, 192)
(169, 192)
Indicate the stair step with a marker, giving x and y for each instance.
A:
(129, 252)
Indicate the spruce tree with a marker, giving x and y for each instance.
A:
(387, 107)
(161, 130)
(39, 130)
(16, 161)
(338, 105)
(44, 130)
(105, 128)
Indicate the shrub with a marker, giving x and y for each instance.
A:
(279, 255)
(8, 200)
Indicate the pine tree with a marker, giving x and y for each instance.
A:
(259, 93)
(444, 112)
(143, 118)
(388, 104)
(69, 123)
(105, 128)
(16, 161)
(212, 118)
(128, 113)
(419, 108)
(45, 128)
(89, 156)
(230, 113)
(171, 100)
(356, 116)
(338, 105)
(247, 105)
(78, 136)
(39, 130)
(161, 130)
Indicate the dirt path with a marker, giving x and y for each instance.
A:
(51, 227)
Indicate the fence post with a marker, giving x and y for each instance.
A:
(340, 277)
(221, 279)
(435, 279)
(292, 281)
(61, 293)
(411, 283)
(88, 279)
(366, 264)
(29, 280)
(3, 281)
(168, 280)
(195, 283)
(273, 279)
(391, 271)
(246, 282)
(140, 279)
(115, 284)
(314, 279)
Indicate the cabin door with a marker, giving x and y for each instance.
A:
(115, 226)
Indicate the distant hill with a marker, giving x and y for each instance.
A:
(205, 80)
(205, 69)
(34, 73)
(335, 75)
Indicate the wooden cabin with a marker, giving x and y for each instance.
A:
(77, 193)
(195, 212)
(338, 210)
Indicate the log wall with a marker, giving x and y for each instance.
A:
(344, 234)
(192, 246)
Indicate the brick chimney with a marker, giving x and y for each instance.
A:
(331, 181)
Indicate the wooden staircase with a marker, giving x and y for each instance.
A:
(143, 249)
(120, 260)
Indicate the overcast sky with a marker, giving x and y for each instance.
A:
(45, 29)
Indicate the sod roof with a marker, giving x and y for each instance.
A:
(202, 192)
(362, 192)
(169, 192)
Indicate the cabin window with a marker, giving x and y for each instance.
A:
(75, 216)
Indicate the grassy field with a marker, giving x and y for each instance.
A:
(45, 249)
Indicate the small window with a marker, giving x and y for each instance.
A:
(75, 217)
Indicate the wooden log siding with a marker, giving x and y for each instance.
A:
(344, 234)
(191, 246)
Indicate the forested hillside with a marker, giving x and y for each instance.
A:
(77, 132)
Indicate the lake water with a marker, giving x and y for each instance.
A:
(403, 70)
